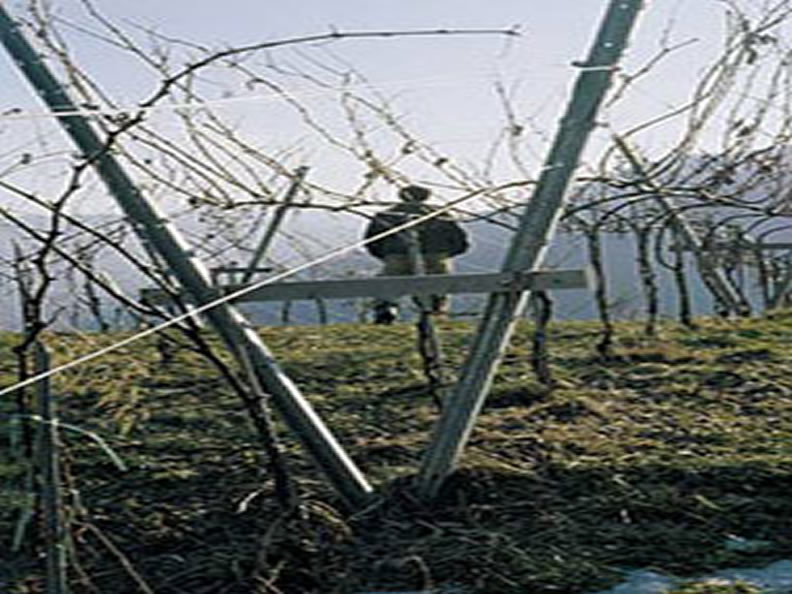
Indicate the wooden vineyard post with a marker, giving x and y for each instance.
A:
(528, 247)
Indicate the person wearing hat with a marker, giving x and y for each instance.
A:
(438, 240)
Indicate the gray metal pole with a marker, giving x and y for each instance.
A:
(277, 219)
(152, 226)
(528, 247)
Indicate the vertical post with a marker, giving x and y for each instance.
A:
(51, 502)
(781, 288)
(528, 247)
(685, 315)
(543, 313)
(237, 334)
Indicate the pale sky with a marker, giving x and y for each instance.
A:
(553, 35)
(443, 85)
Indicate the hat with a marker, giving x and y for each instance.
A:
(414, 193)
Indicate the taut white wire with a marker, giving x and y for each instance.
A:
(247, 289)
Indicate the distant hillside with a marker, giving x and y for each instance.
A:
(310, 234)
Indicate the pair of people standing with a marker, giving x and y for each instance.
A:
(429, 246)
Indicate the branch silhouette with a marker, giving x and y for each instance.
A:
(317, 38)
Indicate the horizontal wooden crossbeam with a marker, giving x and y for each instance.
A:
(396, 286)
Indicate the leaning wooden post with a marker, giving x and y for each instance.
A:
(713, 276)
(528, 247)
(153, 227)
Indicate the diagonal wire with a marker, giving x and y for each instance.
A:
(247, 289)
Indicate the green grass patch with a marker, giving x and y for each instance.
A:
(657, 458)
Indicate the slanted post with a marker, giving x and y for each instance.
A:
(782, 287)
(152, 226)
(274, 225)
(528, 247)
(712, 275)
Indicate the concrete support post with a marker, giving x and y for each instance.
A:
(51, 502)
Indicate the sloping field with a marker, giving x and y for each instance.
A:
(663, 457)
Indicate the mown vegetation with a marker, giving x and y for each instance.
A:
(660, 457)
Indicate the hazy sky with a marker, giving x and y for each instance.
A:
(442, 84)
(553, 35)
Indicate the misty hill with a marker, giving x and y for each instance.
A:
(321, 233)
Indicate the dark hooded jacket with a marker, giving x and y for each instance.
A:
(439, 235)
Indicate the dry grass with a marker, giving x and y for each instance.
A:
(656, 458)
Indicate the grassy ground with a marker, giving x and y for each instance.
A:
(666, 457)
